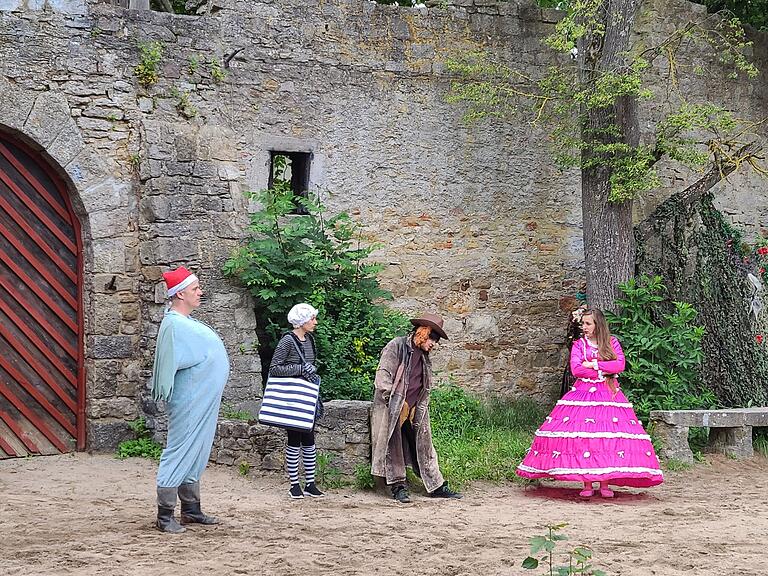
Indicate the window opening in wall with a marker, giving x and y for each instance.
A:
(291, 169)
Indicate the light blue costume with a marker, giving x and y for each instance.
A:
(191, 369)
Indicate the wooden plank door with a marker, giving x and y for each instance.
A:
(42, 391)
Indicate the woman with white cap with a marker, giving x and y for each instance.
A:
(295, 356)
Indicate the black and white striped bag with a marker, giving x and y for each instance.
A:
(289, 403)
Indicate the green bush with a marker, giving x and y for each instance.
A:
(480, 439)
(228, 412)
(663, 350)
(364, 480)
(142, 446)
(290, 258)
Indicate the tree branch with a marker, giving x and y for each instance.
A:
(720, 169)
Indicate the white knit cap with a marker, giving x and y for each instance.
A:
(301, 314)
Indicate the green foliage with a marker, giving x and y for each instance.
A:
(174, 6)
(290, 258)
(147, 70)
(194, 63)
(328, 475)
(564, 100)
(142, 446)
(675, 465)
(480, 439)
(352, 334)
(217, 72)
(184, 105)
(364, 480)
(704, 259)
(229, 413)
(663, 350)
(577, 561)
(244, 468)
(752, 12)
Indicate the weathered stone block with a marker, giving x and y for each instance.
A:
(105, 435)
(125, 408)
(102, 347)
(674, 442)
(736, 442)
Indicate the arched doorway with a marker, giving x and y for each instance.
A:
(42, 385)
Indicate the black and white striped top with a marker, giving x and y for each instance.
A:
(286, 360)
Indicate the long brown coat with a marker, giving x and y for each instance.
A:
(389, 457)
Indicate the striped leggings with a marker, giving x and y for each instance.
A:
(301, 444)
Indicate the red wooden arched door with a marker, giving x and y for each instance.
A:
(42, 396)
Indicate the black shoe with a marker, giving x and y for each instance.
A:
(445, 492)
(311, 489)
(295, 491)
(400, 493)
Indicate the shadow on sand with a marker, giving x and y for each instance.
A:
(624, 496)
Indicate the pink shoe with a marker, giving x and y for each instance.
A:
(606, 492)
(587, 493)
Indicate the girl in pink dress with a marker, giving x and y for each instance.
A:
(593, 434)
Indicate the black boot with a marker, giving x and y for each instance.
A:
(189, 494)
(166, 503)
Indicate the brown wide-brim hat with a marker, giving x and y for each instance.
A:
(432, 321)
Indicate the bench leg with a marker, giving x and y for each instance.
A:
(674, 442)
(736, 442)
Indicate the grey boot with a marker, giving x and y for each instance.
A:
(189, 494)
(166, 503)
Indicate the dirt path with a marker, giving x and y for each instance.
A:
(88, 515)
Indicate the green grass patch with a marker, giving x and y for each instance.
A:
(481, 439)
(229, 413)
(143, 446)
(674, 465)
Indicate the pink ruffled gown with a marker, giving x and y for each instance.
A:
(592, 434)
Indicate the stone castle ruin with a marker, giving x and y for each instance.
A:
(108, 182)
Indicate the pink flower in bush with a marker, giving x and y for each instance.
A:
(759, 338)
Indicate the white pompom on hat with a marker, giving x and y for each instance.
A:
(301, 314)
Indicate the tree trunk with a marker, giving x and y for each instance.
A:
(164, 6)
(609, 248)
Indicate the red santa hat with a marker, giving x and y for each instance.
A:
(178, 279)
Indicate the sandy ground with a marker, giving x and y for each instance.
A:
(87, 515)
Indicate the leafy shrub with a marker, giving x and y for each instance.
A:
(142, 446)
(228, 412)
(350, 335)
(327, 474)
(290, 258)
(150, 55)
(663, 350)
(364, 480)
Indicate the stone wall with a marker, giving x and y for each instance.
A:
(475, 221)
(343, 435)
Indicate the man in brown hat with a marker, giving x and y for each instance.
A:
(401, 434)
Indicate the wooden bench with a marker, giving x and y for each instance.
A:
(730, 430)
